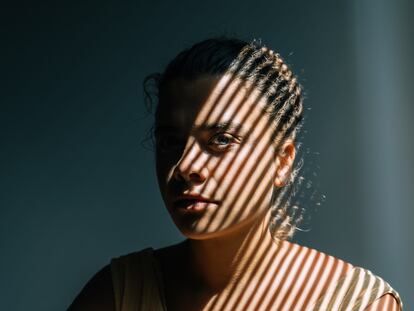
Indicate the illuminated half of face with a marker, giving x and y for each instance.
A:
(216, 162)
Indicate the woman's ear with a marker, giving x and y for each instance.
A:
(284, 162)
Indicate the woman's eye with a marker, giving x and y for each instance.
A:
(221, 140)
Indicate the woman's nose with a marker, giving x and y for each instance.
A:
(192, 167)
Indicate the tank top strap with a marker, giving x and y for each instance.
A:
(355, 291)
(137, 283)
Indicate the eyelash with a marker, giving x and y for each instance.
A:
(170, 143)
(221, 146)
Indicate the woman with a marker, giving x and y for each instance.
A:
(227, 116)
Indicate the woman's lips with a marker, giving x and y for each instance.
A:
(193, 204)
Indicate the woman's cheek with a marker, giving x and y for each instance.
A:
(232, 164)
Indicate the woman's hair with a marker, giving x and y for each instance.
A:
(268, 73)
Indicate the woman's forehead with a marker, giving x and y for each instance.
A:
(210, 100)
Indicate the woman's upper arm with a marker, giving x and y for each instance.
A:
(97, 293)
(386, 302)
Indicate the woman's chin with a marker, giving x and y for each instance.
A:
(195, 233)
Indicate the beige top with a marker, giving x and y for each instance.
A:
(137, 283)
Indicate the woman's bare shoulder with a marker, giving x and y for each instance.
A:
(97, 293)
(312, 271)
(319, 258)
(325, 276)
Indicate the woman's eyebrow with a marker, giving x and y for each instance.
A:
(221, 126)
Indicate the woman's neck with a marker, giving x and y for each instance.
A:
(217, 263)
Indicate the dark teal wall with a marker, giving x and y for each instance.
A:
(76, 186)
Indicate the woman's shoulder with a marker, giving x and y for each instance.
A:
(132, 257)
(333, 282)
(311, 273)
(316, 264)
(98, 293)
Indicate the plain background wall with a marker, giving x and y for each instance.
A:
(76, 187)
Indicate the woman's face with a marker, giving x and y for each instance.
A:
(216, 163)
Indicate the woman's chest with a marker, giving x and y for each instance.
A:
(278, 287)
